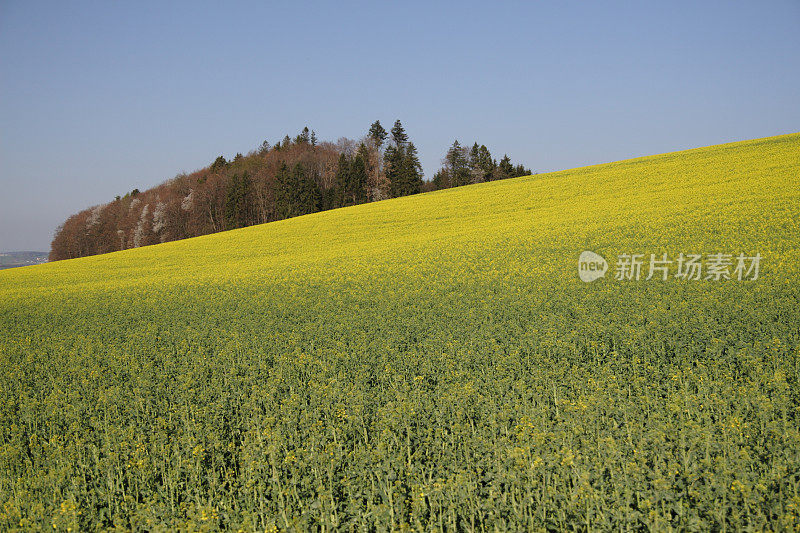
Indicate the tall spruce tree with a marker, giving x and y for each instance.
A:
(283, 187)
(303, 137)
(485, 163)
(219, 164)
(238, 202)
(401, 163)
(357, 190)
(457, 161)
(411, 171)
(505, 169)
(399, 135)
(474, 163)
(377, 133)
(342, 180)
(307, 196)
(392, 166)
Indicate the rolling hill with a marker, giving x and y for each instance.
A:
(432, 361)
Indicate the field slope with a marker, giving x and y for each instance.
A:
(429, 362)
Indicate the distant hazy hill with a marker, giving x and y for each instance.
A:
(18, 259)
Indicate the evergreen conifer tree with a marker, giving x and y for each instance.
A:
(392, 165)
(485, 163)
(377, 133)
(307, 196)
(358, 180)
(457, 160)
(399, 135)
(283, 188)
(411, 171)
(342, 180)
(505, 169)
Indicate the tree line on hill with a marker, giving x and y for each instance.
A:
(290, 178)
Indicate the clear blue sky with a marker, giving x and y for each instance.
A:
(98, 98)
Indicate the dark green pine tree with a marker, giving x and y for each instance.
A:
(486, 163)
(505, 169)
(342, 180)
(247, 200)
(457, 160)
(392, 164)
(219, 164)
(304, 137)
(377, 133)
(441, 180)
(401, 164)
(411, 171)
(474, 163)
(283, 190)
(399, 135)
(308, 195)
(238, 202)
(357, 190)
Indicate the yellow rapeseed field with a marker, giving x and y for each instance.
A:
(424, 363)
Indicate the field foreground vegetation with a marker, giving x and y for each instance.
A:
(427, 362)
